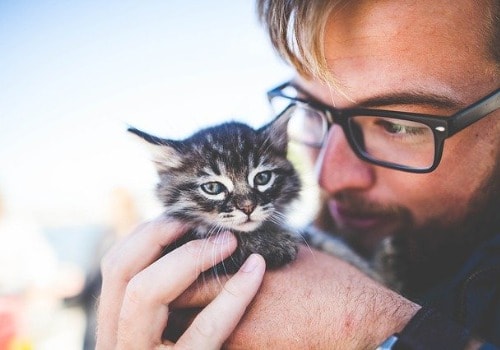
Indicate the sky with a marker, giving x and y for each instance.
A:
(74, 74)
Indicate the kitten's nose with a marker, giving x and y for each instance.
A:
(247, 207)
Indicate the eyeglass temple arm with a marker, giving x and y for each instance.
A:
(475, 112)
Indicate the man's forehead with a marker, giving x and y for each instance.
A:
(403, 26)
(426, 49)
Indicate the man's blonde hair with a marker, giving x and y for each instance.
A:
(296, 29)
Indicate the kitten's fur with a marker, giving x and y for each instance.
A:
(231, 177)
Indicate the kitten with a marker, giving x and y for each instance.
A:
(231, 177)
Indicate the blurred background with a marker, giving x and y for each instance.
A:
(73, 75)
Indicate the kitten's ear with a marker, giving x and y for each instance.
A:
(166, 155)
(276, 132)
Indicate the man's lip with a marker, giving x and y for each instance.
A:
(351, 218)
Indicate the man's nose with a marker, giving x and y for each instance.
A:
(338, 166)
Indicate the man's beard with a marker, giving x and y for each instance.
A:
(434, 252)
(414, 258)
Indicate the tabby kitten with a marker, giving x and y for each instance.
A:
(231, 177)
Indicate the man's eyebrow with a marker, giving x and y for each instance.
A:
(415, 98)
(412, 98)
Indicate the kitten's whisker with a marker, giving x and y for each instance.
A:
(203, 249)
(216, 230)
(303, 239)
(278, 219)
(210, 234)
(220, 229)
(280, 215)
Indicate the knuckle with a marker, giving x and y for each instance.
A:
(234, 289)
(204, 326)
(193, 248)
(113, 267)
(109, 263)
(136, 291)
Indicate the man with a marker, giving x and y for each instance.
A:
(388, 176)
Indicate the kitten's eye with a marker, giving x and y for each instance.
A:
(262, 178)
(213, 188)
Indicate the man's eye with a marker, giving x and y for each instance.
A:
(263, 178)
(213, 187)
(402, 129)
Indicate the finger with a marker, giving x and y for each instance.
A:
(141, 247)
(201, 293)
(123, 261)
(215, 323)
(144, 311)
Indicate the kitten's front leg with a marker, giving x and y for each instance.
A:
(277, 246)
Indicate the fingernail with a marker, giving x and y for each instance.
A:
(251, 263)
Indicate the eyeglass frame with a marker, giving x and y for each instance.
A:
(442, 126)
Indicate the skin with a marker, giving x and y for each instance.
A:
(137, 289)
(374, 48)
(370, 67)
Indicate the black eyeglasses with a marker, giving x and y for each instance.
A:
(411, 142)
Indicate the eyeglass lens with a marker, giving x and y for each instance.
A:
(388, 140)
(395, 141)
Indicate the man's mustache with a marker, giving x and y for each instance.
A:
(353, 202)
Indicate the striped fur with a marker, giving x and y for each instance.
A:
(231, 177)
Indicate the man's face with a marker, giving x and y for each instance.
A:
(380, 49)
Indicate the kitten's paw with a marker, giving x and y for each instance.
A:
(280, 254)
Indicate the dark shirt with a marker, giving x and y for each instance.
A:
(471, 298)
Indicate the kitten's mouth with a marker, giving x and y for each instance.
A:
(248, 225)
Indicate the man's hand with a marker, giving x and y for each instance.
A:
(138, 288)
(315, 302)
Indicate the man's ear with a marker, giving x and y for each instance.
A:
(276, 132)
(166, 155)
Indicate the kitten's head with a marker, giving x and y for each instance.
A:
(226, 177)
